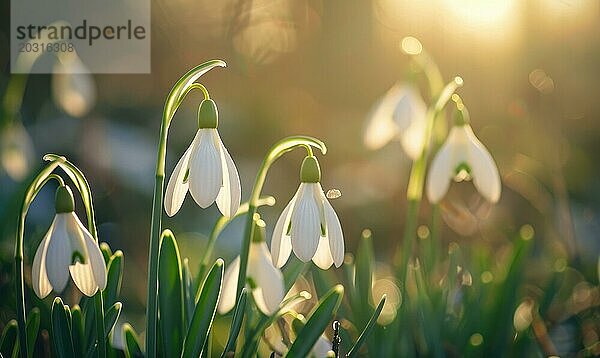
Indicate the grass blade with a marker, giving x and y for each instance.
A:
(132, 345)
(170, 296)
(8, 342)
(111, 316)
(114, 279)
(367, 330)
(236, 324)
(204, 313)
(318, 320)
(61, 329)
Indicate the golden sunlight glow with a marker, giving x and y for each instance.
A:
(481, 13)
(411, 45)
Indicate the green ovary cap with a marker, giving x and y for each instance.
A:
(64, 202)
(310, 172)
(208, 115)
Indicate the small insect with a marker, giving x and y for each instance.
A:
(333, 194)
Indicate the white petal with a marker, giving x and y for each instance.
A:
(413, 139)
(281, 243)
(206, 172)
(58, 255)
(483, 169)
(177, 188)
(443, 168)
(306, 223)
(270, 286)
(334, 234)
(41, 284)
(84, 278)
(381, 127)
(410, 108)
(95, 257)
(227, 298)
(323, 257)
(322, 347)
(230, 195)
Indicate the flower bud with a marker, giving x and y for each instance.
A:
(310, 172)
(259, 232)
(64, 202)
(208, 115)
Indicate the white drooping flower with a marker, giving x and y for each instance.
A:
(401, 113)
(67, 247)
(205, 169)
(266, 281)
(309, 225)
(73, 86)
(463, 157)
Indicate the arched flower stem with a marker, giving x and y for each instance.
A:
(277, 150)
(34, 188)
(180, 90)
(416, 180)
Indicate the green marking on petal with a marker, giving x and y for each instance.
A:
(77, 257)
(253, 285)
(186, 176)
(462, 172)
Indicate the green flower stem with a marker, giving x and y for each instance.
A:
(416, 180)
(85, 191)
(280, 148)
(178, 93)
(34, 188)
(221, 223)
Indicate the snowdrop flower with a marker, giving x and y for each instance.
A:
(308, 225)
(205, 169)
(266, 281)
(401, 113)
(67, 248)
(73, 87)
(463, 157)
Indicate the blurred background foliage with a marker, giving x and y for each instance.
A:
(317, 67)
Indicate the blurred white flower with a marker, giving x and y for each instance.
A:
(16, 151)
(401, 113)
(266, 281)
(309, 225)
(322, 348)
(463, 157)
(73, 86)
(206, 170)
(67, 247)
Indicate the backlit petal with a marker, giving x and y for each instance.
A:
(381, 127)
(95, 257)
(84, 278)
(177, 188)
(323, 257)
(334, 234)
(306, 223)
(270, 287)
(229, 291)
(230, 195)
(483, 169)
(281, 243)
(206, 172)
(39, 278)
(58, 255)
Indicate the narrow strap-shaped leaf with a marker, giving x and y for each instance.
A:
(77, 331)
(114, 278)
(236, 324)
(106, 252)
(170, 296)
(132, 345)
(363, 277)
(367, 330)
(291, 272)
(318, 320)
(8, 342)
(89, 322)
(61, 329)
(111, 316)
(189, 294)
(32, 327)
(204, 312)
